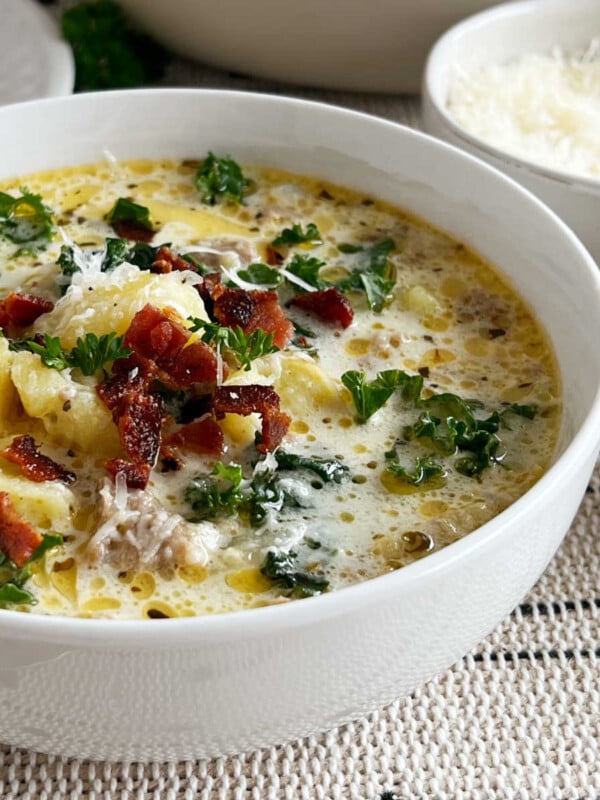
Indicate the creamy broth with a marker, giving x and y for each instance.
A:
(449, 318)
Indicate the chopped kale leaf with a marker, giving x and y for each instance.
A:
(295, 235)
(283, 569)
(262, 275)
(221, 180)
(216, 494)
(13, 578)
(125, 210)
(25, 218)
(424, 470)
(328, 469)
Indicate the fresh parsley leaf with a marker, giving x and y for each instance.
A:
(424, 470)
(377, 254)
(51, 352)
(221, 180)
(25, 218)
(307, 269)
(370, 397)
(125, 210)
(374, 275)
(108, 52)
(216, 494)
(377, 289)
(283, 569)
(328, 469)
(92, 352)
(262, 274)
(244, 347)
(89, 354)
(295, 235)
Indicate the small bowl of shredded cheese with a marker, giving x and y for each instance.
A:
(519, 86)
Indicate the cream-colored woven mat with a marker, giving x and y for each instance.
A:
(519, 717)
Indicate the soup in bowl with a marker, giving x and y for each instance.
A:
(265, 365)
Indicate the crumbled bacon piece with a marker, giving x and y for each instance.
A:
(251, 310)
(168, 261)
(136, 475)
(170, 460)
(202, 436)
(244, 400)
(137, 412)
(159, 338)
(18, 540)
(139, 426)
(24, 452)
(329, 305)
(128, 229)
(272, 257)
(262, 400)
(113, 391)
(22, 310)
(275, 424)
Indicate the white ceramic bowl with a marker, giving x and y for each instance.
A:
(496, 36)
(196, 687)
(355, 45)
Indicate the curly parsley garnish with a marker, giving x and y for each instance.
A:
(221, 180)
(244, 347)
(90, 353)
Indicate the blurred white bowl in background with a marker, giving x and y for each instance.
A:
(356, 45)
(495, 37)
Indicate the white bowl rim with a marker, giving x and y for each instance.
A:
(437, 61)
(261, 622)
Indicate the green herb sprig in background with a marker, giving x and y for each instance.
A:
(109, 53)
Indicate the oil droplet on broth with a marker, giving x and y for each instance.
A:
(249, 581)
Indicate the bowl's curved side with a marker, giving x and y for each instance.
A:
(201, 687)
(205, 700)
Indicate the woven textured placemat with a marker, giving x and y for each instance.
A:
(519, 717)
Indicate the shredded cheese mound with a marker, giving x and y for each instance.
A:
(542, 107)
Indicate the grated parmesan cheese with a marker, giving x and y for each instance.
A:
(542, 107)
